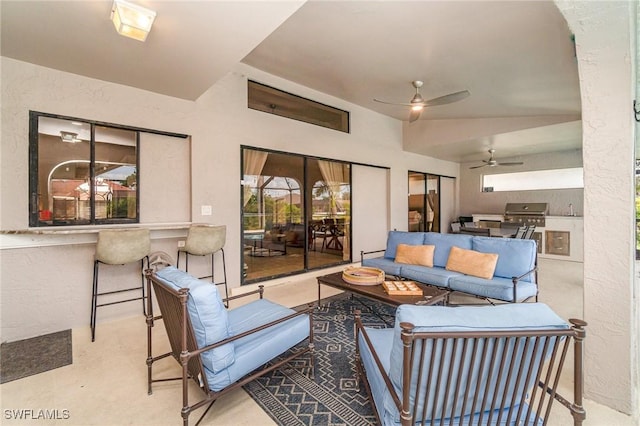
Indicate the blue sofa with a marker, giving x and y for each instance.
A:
(494, 365)
(514, 278)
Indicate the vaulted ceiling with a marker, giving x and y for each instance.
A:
(516, 58)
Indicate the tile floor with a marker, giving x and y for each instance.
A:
(106, 384)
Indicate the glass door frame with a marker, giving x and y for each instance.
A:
(428, 216)
(306, 190)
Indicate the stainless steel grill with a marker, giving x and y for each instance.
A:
(526, 213)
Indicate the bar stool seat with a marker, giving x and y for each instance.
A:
(205, 240)
(119, 247)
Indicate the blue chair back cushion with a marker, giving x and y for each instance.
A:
(515, 257)
(207, 314)
(525, 316)
(443, 243)
(402, 237)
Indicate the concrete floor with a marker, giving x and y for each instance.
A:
(107, 382)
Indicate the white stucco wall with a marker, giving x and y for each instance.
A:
(605, 52)
(48, 288)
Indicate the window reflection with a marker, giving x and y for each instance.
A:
(72, 188)
(296, 214)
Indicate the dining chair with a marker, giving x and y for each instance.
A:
(119, 247)
(206, 240)
(529, 234)
(520, 233)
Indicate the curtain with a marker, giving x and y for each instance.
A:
(253, 165)
(334, 175)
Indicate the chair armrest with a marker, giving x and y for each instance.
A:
(362, 253)
(361, 332)
(307, 310)
(260, 290)
(516, 279)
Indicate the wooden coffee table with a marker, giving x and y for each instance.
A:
(431, 295)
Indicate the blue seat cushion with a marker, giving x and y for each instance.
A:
(401, 237)
(515, 257)
(523, 316)
(443, 243)
(495, 288)
(434, 276)
(208, 316)
(256, 349)
(387, 265)
(381, 340)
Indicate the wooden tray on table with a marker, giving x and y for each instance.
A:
(402, 288)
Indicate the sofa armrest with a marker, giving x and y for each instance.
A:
(516, 279)
(363, 253)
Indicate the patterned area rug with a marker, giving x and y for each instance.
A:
(291, 397)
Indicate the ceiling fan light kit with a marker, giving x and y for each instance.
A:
(418, 103)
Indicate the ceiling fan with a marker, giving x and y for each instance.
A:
(418, 103)
(492, 163)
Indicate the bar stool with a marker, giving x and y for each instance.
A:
(204, 240)
(119, 247)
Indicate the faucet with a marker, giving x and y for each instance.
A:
(571, 213)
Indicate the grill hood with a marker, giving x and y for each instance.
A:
(528, 209)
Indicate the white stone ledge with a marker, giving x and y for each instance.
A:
(67, 235)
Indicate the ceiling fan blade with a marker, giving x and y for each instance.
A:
(477, 167)
(394, 103)
(414, 115)
(514, 163)
(448, 99)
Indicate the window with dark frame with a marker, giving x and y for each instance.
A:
(82, 172)
(274, 101)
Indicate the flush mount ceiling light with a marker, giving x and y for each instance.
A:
(132, 20)
(69, 137)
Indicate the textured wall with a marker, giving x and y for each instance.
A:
(605, 45)
(219, 123)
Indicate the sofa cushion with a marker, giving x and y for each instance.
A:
(387, 265)
(434, 276)
(415, 255)
(515, 257)
(208, 316)
(401, 237)
(472, 262)
(496, 288)
(443, 243)
(524, 316)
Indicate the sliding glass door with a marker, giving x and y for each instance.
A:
(295, 215)
(424, 202)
